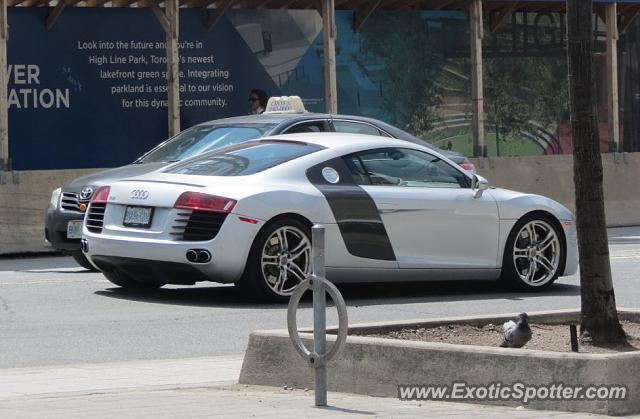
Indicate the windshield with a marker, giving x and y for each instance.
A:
(244, 159)
(200, 139)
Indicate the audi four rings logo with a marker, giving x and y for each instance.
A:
(139, 194)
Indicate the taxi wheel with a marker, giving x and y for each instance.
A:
(279, 260)
(82, 260)
(125, 281)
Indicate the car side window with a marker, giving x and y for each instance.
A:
(357, 170)
(304, 127)
(355, 128)
(410, 168)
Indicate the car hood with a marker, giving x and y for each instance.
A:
(111, 175)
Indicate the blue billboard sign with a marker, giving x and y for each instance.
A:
(92, 91)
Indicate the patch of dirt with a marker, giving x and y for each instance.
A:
(546, 337)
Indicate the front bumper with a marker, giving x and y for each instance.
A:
(55, 228)
(144, 258)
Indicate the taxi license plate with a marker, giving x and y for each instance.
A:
(74, 229)
(139, 217)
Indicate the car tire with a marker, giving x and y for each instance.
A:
(274, 268)
(82, 260)
(536, 241)
(125, 281)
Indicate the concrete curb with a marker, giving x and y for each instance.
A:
(376, 366)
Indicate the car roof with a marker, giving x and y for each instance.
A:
(267, 118)
(339, 141)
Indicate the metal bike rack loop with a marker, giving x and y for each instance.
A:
(320, 286)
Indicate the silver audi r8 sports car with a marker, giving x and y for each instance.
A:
(393, 210)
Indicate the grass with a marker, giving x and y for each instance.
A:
(512, 146)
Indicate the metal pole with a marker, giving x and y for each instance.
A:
(319, 313)
(4, 104)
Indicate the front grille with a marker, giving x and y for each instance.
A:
(71, 202)
(95, 217)
(197, 225)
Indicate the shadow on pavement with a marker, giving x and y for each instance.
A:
(355, 295)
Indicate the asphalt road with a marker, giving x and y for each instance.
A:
(52, 312)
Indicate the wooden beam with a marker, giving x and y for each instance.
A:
(96, 3)
(361, 14)
(162, 18)
(499, 19)
(611, 19)
(173, 76)
(31, 3)
(329, 34)
(628, 19)
(4, 104)
(477, 99)
(122, 3)
(215, 15)
(55, 13)
(600, 12)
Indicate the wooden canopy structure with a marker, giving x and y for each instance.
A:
(617, 16)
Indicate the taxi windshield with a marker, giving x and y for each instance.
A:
(200, 139)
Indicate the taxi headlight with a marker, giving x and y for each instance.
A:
(55, 197)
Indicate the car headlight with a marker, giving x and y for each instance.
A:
(55, 197)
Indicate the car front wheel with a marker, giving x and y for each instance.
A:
(279, 260)
(534, 254)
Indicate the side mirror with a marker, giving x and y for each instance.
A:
(479, 185)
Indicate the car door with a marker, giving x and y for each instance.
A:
(429, 209)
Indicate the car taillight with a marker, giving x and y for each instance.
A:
(204, 202)
(468, 166)
(101, 194)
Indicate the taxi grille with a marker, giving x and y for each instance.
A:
(197, 225)
(95, 217)
(71, 202)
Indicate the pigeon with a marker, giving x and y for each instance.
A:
(516, 334)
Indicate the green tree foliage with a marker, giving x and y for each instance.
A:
(413, 59)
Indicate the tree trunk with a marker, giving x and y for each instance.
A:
(599, 321)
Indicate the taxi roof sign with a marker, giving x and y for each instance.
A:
(285, 104)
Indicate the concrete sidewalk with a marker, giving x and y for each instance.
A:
(194, 388)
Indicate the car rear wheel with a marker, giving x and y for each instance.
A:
(279, 260)
(123, 280)
(534, 254)
(82, 260)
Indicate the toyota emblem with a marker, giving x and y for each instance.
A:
(86, 193)
(139, 194)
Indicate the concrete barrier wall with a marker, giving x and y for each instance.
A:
(552, 176)
(24, 197)
(23, 200)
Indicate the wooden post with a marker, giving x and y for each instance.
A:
(477, 123)
(4, 105)
(329, 30)
(612, 75)
(173, 58)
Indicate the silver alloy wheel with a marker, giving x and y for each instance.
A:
(536, 253)
(286, 259)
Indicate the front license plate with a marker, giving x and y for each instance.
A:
(74, 229)
(139, 217)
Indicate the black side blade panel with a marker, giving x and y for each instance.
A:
(356, 213)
